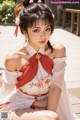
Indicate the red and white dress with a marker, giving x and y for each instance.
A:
(12, 98)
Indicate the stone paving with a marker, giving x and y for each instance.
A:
(8, 42)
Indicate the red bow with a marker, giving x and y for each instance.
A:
(30, 69)
(17, 9)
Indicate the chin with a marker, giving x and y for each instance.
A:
(42, 44)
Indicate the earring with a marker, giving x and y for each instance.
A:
(26, 38)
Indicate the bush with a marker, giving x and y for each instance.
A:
(1, 1)
(7, 11)
(4, 0)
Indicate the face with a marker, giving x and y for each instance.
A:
(39, 34)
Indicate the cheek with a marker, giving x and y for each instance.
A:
(31, 36)
(35, 37)
(48, 34)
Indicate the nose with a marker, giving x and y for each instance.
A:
(43, 35)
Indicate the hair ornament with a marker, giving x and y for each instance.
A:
(17, 9)
(31, 1)
(39, 1)
(17, 26)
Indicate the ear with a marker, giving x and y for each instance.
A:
(24, 32)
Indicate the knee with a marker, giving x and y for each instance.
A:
(56, 117)
(53, 116)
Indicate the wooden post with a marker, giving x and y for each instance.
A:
(64, 19)
(78, 24)
(72, 22)
(59, 15)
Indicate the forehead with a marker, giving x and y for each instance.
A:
(40, 23)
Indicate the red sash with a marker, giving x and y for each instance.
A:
(30, 69)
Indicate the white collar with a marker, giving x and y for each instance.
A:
(32, 51)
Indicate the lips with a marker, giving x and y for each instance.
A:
(42, 41)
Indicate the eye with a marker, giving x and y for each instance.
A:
(36, 30)
(48, 29)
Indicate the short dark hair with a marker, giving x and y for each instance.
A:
(34, 12)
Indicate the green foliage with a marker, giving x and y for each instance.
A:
(4, 0)
(1, 1)
(7, 11)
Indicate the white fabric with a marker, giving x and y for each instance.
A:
(39, 85)
(64, 108)
(58, 71)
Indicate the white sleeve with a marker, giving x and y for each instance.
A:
(58, 71)
(64, 109)
(10, 77)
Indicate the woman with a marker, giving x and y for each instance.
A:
(34, 75)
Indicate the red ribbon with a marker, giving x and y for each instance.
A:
(30, 69)
(16, 30)
(16, 13)
(17, 10)
(3, 104)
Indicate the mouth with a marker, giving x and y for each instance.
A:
(42, 42)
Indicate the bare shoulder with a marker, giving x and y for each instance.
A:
(59, 50)
(11, 61)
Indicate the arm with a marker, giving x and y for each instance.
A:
(54, 95)
(10, 75)
(58, 77)
(12, 62)
(40, 104)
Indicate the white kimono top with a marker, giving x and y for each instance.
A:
(12, 98)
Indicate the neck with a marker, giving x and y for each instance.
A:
(36, 48)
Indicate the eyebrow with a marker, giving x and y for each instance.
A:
(40, 27)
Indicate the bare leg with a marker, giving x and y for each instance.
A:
(31, 114)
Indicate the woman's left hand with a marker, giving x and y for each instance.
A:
(41, 103)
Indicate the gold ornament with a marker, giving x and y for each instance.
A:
(38, 56)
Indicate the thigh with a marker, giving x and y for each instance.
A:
(32, 114)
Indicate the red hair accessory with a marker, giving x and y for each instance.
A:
(17, 9)
(16, 30)
(17, 26)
